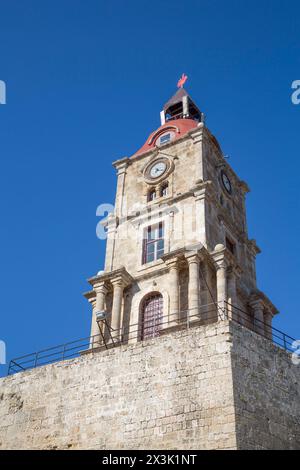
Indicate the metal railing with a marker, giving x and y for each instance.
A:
(278, 337)
(131, 333)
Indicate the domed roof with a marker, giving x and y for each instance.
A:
(176, 127)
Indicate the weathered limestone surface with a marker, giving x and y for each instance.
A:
(217, 386)
(170, 392)
(266, 393)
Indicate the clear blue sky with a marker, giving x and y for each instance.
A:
(85, 83)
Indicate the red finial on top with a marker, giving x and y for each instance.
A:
(182, 81)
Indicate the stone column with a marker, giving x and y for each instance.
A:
(232, 297)
(174, 290)
(94, 325)
(101, 292)
(221, 288)
(268, 325)
(220, 263)
(205, 308)
(258, 311)
(118, 288)
(193, 290)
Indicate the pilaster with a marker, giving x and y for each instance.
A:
(174, 289)
(197, 137)
(121, 167)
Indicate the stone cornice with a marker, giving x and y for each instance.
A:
(204, 190)
(180, 254)
(121, 163)
(172, 255)
(244, 187)
(200, 251)
(151, 271)
(253, 247)
(224, 258)
(157, 213)
(181, 197)
(90, 296)
(197, 133)
(259, 296)
(120, 273)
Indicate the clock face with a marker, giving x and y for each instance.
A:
(158, 169)
(226, 182)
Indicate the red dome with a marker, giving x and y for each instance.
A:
(178, 126)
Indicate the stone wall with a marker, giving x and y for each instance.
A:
(169, 392)
(219, 386)
(266, 393)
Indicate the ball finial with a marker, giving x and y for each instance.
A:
(219, 247)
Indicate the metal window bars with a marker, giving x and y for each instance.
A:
(132, 333)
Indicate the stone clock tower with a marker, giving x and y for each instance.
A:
(180, 354)
(177, 244)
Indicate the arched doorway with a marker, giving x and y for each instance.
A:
(152, 315)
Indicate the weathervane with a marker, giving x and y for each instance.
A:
(182, 81)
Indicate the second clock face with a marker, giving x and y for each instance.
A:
(158, 169)
(226, 182)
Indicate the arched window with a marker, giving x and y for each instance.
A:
(151, 315)
(164, 189)
(151, 195)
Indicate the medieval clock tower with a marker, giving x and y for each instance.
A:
(179, 266)
(177, 244)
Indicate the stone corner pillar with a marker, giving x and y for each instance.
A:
(121, 167)
(197, 137)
